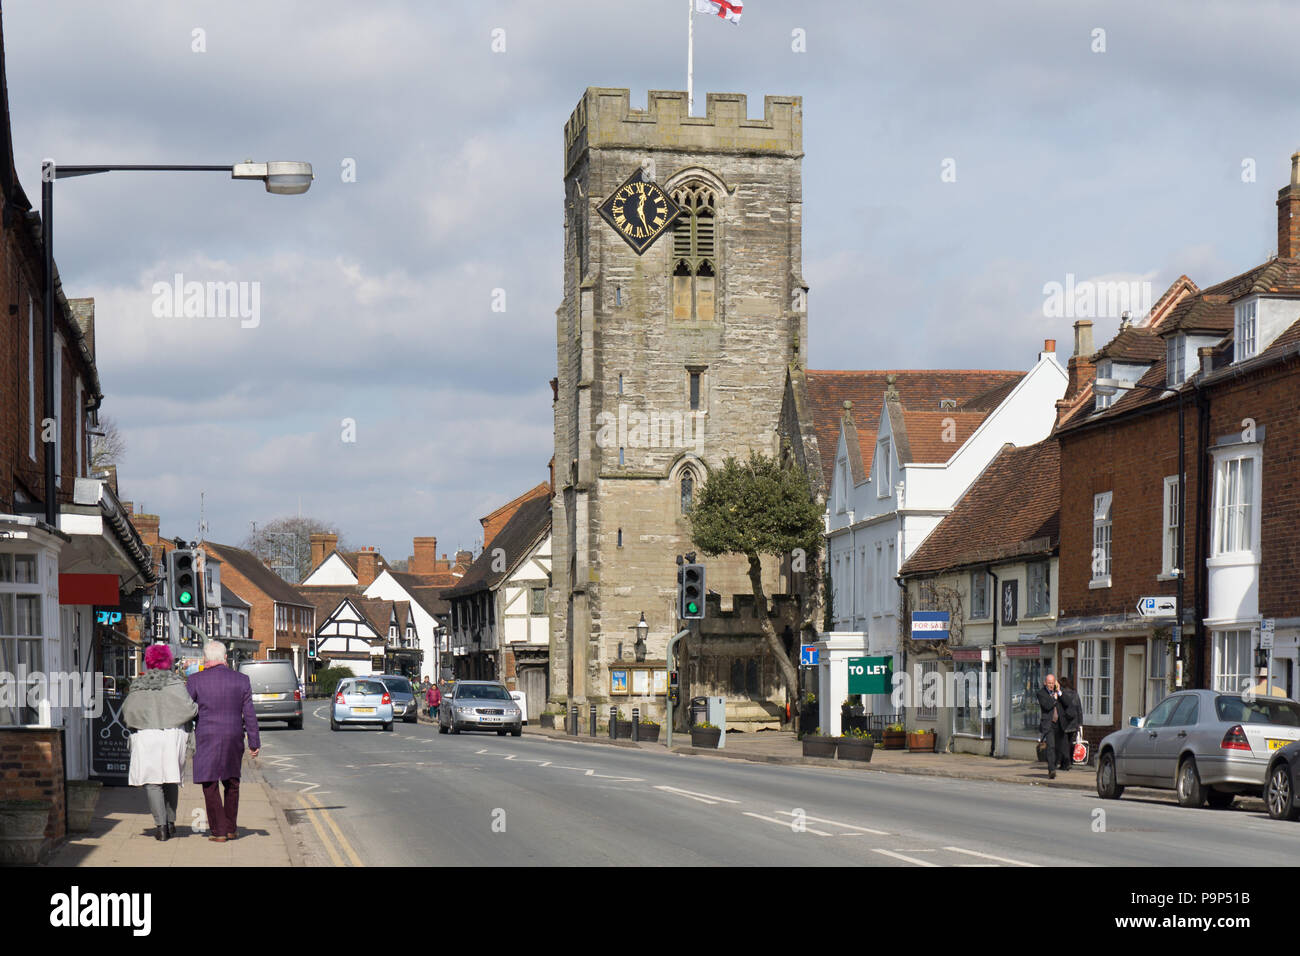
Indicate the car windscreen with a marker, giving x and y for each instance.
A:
(483, 692)
(398, 685)
(368, 688)
(1261, 710)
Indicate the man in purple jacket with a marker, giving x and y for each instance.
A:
(225, 700)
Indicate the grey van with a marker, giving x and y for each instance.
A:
(275, 691)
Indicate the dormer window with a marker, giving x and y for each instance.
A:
(1175, 360)
(842, 487)
(884, 478)
(1245, 330)
(1104, 370)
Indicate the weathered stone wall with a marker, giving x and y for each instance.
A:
(621, 354)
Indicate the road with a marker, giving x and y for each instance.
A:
(414, 797)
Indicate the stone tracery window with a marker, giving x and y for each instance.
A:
(695, 262)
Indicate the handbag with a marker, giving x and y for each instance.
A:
(1080, 749)
(1041, 750)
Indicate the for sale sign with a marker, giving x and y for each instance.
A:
(930, 625)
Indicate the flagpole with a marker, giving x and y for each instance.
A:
(690, 57)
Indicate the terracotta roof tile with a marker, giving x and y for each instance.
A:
(1136, 344)
(934, 437)
(529, 525)
(1011, 509)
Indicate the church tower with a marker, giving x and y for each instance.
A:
(669, 360)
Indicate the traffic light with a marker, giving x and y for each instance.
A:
(184, 582)
(691, 591)
(311, 648)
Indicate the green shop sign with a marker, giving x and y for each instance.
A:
(871, 675)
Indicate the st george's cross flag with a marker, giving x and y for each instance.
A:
(727, 9)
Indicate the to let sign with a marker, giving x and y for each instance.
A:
(930, 625)
(871, 675)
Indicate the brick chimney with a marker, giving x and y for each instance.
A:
(1080, 366)
(147, 526)
(464, 559)
(424, 556)
(1288, 214)
(367, 567)
(322, 546)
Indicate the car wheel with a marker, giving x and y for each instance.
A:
(501, 733)
(1190, 791)
(452, 728)
(1107, 788)
(1279, 794)
(295, 724)
(388, 727)
(1220, 799)
(409, 720)
(442, 728)
(517, 732)
(334, 724)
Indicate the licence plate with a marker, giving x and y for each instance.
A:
(363, 710)
(489, 720)
(263, 698)
(1278, 744)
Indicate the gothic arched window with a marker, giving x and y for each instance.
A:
(695, 257)
(688, 492)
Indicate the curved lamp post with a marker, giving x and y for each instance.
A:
(281, 178)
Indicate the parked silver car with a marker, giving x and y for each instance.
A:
(1204, 744)
(277, 694)
(480, 705)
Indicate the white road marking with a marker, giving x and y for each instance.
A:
(900, 856)
(783, 823)
(836, 823)
(702, 797)
(988, 856)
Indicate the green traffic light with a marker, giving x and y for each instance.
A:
(186, 597)
(692, 607)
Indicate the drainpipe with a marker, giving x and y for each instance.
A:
(1200, 580)
(902, 617)
(997, 605)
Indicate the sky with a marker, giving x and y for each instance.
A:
(959, 158)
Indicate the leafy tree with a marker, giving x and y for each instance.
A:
(327, 680)
(762, 507)
(285, 544)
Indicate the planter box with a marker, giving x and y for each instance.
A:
(819, 747)
(82, 797)
(622, 729)
(648, 732)
(855, 748)
(548, 722)
(22, 831)
(922, 743)
(707, 737)
(895, 740)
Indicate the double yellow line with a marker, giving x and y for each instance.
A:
(316, 812)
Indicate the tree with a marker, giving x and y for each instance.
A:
(108, 447)
(762, 507)
(285, 544)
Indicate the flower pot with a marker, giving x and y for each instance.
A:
(819, 747)
(921, 743)
(22, 830)
(855, 748)
(894, 740)
(648, 732)
(706, 736)
(82, 797)
(621, 729)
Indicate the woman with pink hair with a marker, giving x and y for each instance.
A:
(157, 709)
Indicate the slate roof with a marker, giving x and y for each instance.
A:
(1201, 313)
(529, 525)
(827, 392)
(1134, 344)
(230, 599)
(1275, 277)
(262, 577)
(1011, 510)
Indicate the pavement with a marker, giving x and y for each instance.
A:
(122, 831)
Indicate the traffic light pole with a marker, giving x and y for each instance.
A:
(672, 668)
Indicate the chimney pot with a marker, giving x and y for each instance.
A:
(1049, 345)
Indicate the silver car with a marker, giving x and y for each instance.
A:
(361, 700)
(1204, 744)
(480, 705)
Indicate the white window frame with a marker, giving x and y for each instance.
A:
(884, 469)
(979, 611)
(1102, 533)
(1235, 519)
(1234, 660)
(1096, 680)
(1175, 360)
(48, 632)
(1170, 517)
(841, 489)
(1157, 671)
(1030, 609)
(1104, 370)
(1245, 330)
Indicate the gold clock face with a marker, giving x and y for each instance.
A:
(640, 212)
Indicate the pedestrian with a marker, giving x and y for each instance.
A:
(1050, 723)
(157, 710)
(1071, 720)
(432, 698)
(226, 715)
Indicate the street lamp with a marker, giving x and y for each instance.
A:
(1112, 386)
(281, 178)
(642, 629)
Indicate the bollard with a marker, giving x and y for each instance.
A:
(573, 721)
(636, 724)
(613, 723)
(593, 721)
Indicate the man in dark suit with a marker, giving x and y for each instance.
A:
(1071, 711)
(225, 700)
(1051, 723)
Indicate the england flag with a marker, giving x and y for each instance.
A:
(722, 8)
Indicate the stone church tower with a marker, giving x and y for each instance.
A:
(668, 362)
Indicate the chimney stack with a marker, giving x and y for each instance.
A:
(367, 567)
(1288, 214)
(1081, 369)
(322, 546)
(424, 557)
(147, 526)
